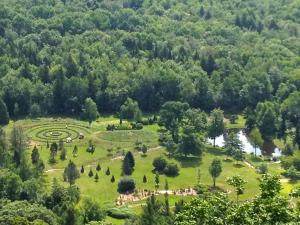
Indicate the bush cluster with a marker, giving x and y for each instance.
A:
(126, 185)
(161, 165)
(132, 126)
(119, 213)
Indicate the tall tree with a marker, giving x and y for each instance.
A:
(255, 139)
(216, 124)
(59, 92)
(233, 146)
(171, 114)
(35, 155)
(215, 170)
(90, 110)
(4, 154)
(71, 173)
(191, 142)
(18, 143)
(267, 119)
(130, 110)
(290, 111)
(4, 117)
(128, 164)
(91, 211)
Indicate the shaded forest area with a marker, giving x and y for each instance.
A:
(230, 54)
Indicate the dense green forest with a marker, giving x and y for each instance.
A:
(177, 59)
(228, 54)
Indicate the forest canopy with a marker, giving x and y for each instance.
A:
(230, 54)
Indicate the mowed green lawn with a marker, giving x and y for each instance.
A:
(119, 142)
(106, 192)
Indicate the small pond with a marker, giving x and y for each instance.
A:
(268, 148)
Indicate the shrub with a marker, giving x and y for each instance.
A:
(107, 171)
(110, 127)
(126, 185)
(145, 121)
(113, 179)
(292, 173)
(144, 179)
(262, 168)
(123, 126)
(98, 168)
(288, 150)
(96, 177)
(119, 213)
(138, 126)
(91, 173)
(201, 189)
(171, 169)
(296, 163)
(162, 139)
(159, 164)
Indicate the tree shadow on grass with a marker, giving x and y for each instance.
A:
(215, 151)
(238, 165)
(256, 159)
(227, 160)
(189, 161)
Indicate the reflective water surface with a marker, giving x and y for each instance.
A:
(268, 148)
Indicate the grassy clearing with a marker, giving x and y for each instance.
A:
(106, 193)
(239, 123)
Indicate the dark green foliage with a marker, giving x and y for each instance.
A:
(91, 148)
(107, 171)
(159, 164)
(4, 117)
(233, 147)
(82, 169)
(90, 111)
(79, 57)
(292, 173)
(35, 155)
(96, 177)
(155, 213)
(130, 110)
(23, 212)
(91, 173)
(54, 147)
(171, 114)
(171, 169)
(75, 151)
(98, 167)
(63, 154)
(10, 185)
(91, 211)
(113, 179)
(215, 170)
(128, 164)
(144, 179)
(150, 69)
(267, 119)
(71, 173)
(126, 185)
(262, 168)
(191, 142)
(216, 125)
(288, 150)
(119, 213)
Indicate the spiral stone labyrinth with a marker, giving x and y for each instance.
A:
(55, 131)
